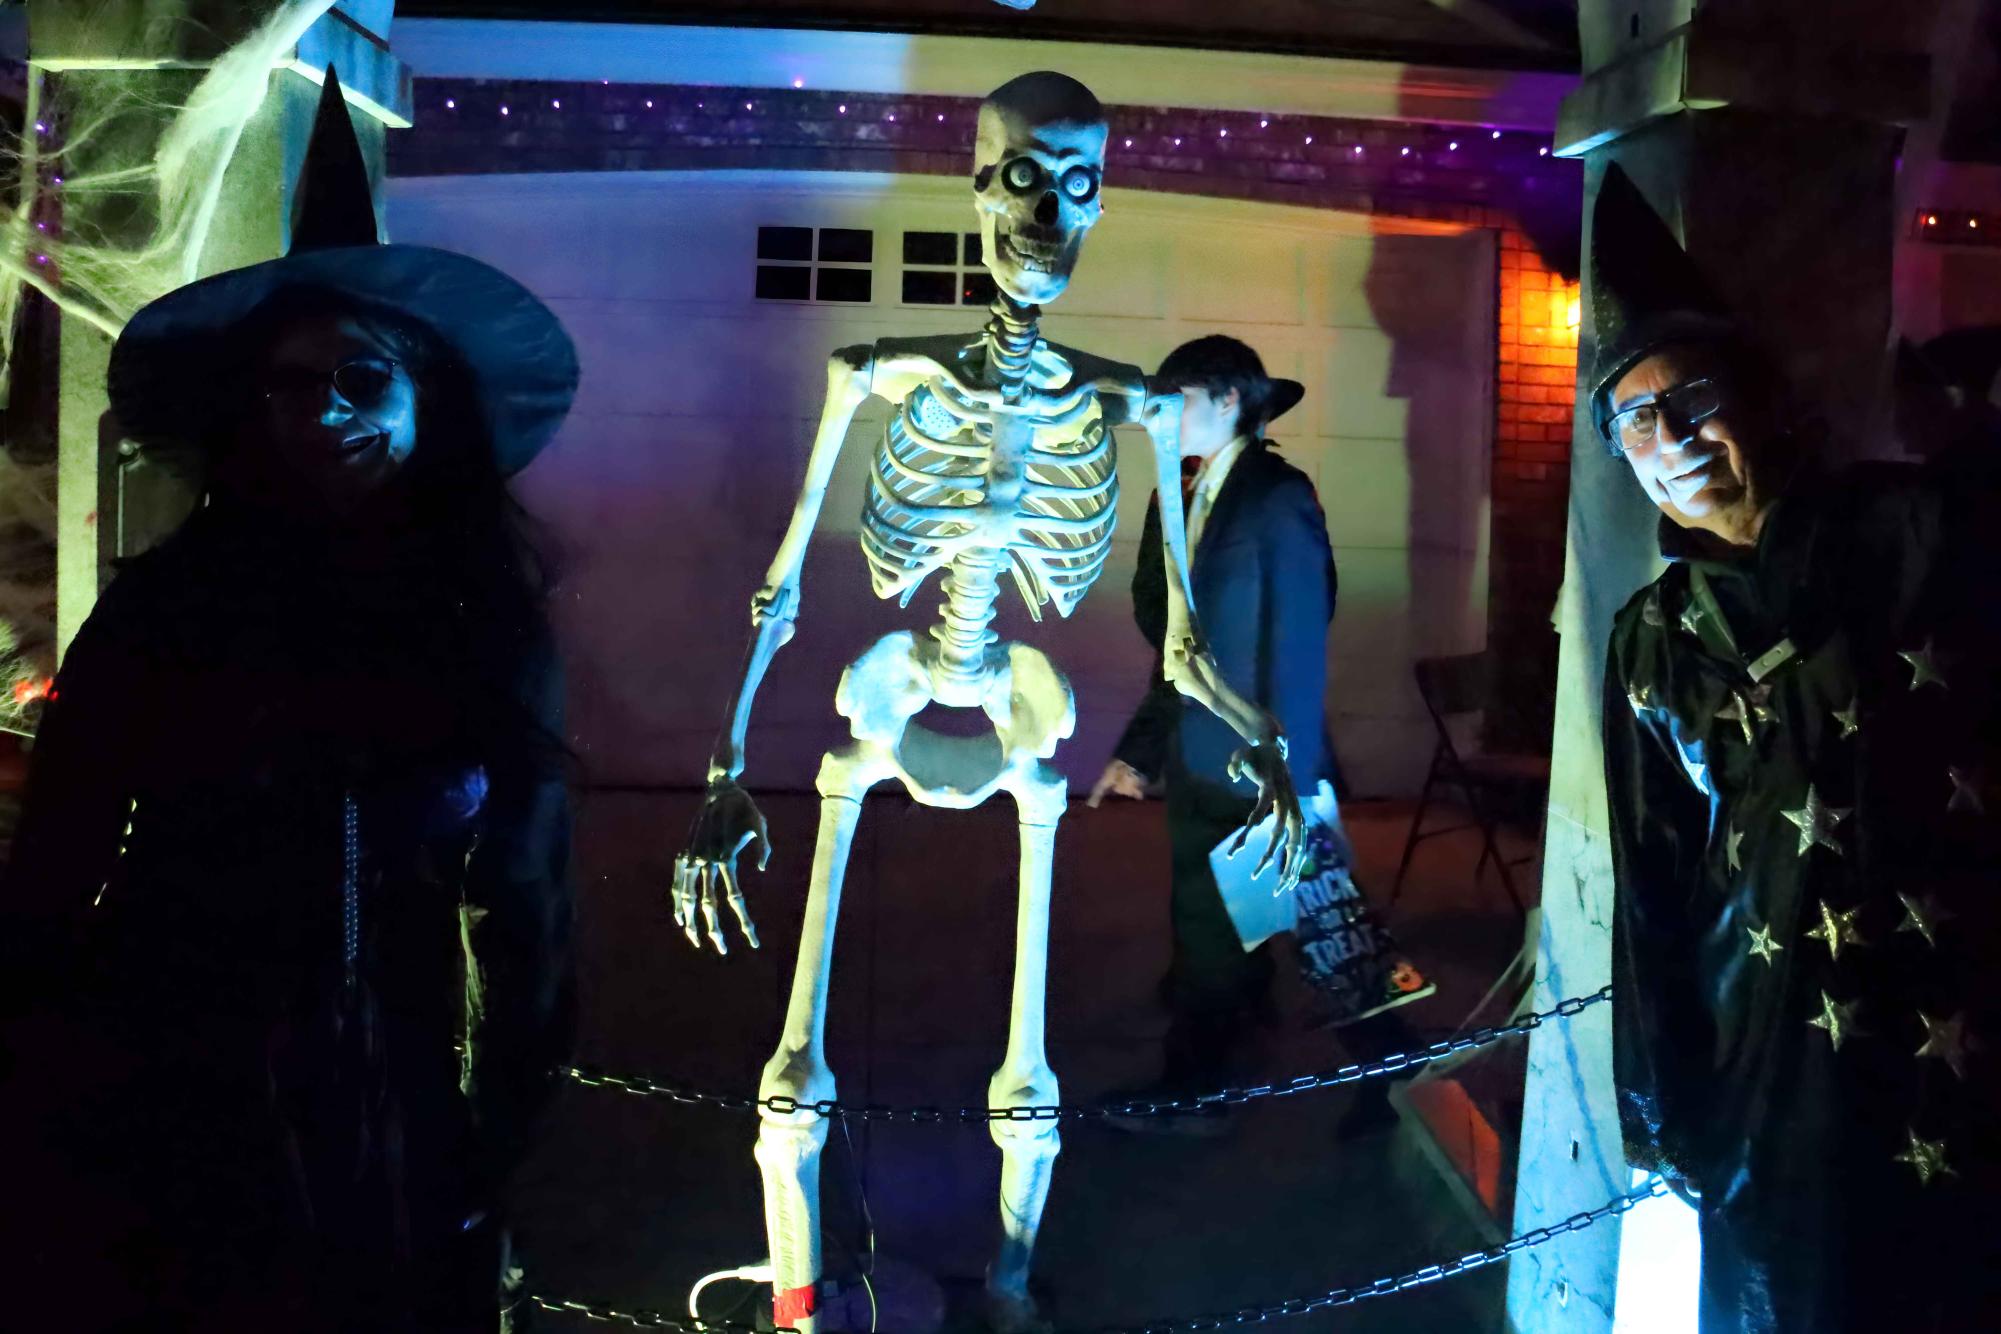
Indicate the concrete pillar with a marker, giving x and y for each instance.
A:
(89, 59)
(1769, 141)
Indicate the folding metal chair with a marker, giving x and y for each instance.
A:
(1454, 686)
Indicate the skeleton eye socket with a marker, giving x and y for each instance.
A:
(1079, 184)
(1022, 174)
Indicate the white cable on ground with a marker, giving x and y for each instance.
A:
(761, 1272)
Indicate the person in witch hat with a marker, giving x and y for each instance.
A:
(1264, 576)
(1802, 723)
(296, 824)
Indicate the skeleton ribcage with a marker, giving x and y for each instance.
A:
(930, 464)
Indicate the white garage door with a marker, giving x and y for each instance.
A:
(673, 481)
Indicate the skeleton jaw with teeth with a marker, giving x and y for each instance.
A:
(1038, 164)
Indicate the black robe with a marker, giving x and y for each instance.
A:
(235, 1037)
(1802, 753)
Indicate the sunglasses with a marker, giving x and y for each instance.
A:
(365, 383)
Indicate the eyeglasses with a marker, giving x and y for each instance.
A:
(364, 383)
(1686, 405)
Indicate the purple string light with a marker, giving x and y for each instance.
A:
(451, 104)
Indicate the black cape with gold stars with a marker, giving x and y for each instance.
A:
(1803, 755)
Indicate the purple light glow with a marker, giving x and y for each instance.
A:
(1129, 143)
(1452, 147)
(748, 106)
(1542, 152)
(649, 104)
(556, 102)
(842, 108)
(503, 111)
(41, 259)
(41, 127)
(1177, 143)
(451, 105)
(1497, 134)
(1222, 134)
(1403, 153)
(891, 116)
(798, 83)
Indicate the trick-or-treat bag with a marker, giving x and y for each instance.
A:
(1346, 954)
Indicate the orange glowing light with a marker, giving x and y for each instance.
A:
(1931, 219)
(1573, 313)
(34, 688)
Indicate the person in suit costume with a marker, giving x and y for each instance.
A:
(1264, 576)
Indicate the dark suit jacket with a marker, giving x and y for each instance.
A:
(1264, 594)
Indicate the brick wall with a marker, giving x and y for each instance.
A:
(1507, 182)
(1535, 394)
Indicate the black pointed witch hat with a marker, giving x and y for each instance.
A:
(165, 365)
(1645, 291)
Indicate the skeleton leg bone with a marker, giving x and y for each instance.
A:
(1028, 1148)
(789, 1143)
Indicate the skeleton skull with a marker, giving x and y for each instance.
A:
(1038, 164)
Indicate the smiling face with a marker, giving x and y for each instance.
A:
(1716, 475)
(1038, 165)
(334, 419)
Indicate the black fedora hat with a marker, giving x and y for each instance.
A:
(166, 363)
(1219, 355)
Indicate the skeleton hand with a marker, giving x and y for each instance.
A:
(1264, 764)
(727, 824)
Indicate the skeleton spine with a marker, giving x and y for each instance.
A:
(973, 586)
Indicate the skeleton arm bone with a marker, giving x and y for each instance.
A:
(729, 821)
(1191, 669)
(775, 606)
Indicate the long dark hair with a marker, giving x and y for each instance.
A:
(482, 553)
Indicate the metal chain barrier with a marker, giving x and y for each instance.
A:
(643, 1087)
(1248, 1315)
(611, 1315)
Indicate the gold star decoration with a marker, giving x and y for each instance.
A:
(1691, 620)
(1924, 666)
(1835, 1019)
(1965, 791)
(1641, 697)
(1733, 841)
(1836, 929)
(1850, 719)
(1816, 820)
(1947, 1040)
(1923, 916)
(1926, 1157)
(1762, 944)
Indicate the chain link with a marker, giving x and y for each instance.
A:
(782, 1105)
(1389, 1286)
(611, 1315)
(1249, 1315)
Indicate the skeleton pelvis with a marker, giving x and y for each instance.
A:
(1022, 693)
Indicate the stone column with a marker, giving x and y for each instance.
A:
(1769, 141)
(89, 59)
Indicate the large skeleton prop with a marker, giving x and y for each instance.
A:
(999, 459)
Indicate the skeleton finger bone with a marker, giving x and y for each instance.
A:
(739, 907)
(711, 913)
